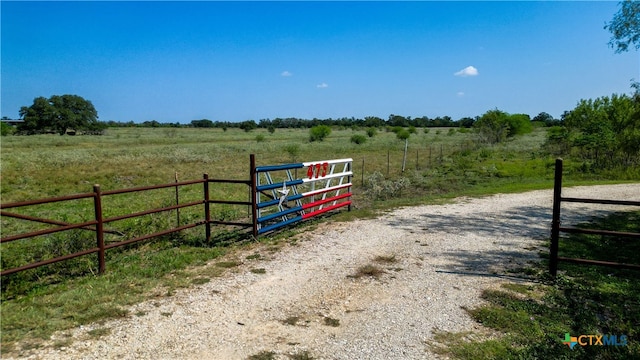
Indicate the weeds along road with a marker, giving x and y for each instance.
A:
(367, 289)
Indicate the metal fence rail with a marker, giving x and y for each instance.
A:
(99, 221)
(556, 227)
(98, 224)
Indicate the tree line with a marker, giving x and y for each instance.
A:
(349, 122)
(71, 114)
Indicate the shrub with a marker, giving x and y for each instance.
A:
(377, 188)
(403, 134)
(6, 129)
(293, 150)
(248, 125)
(259, 138)
(397, 129)
(371, 132)
(358, 139)
(319, 133)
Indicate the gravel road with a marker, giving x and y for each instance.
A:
(309, 300)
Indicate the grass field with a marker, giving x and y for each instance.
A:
(440, 164)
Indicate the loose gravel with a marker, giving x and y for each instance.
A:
(436, 260)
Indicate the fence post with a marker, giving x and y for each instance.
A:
(177, 202)
(362, 173)
(97, 205)
(555, 221)
(388, 160)
(207, 212)
(254, 194)
(404, 155)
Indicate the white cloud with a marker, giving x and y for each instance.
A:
(468, 71)
(460, 94)
(322, 86)
(286, 73)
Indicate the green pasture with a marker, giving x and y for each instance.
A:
(440, 163)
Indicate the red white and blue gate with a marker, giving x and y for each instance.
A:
(282, 199)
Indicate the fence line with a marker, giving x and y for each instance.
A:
(97, 225)
(323, 172)
(556, 227)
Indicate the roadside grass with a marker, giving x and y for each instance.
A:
(151, 270)
(37, 302)
(529, 321)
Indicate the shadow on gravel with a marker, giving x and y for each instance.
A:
(526, 221)
(512, 255)
(493, 263)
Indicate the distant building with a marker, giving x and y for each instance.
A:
(12, 122)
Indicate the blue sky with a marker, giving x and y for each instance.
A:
(234, 61)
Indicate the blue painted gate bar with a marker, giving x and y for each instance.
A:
(282, 199)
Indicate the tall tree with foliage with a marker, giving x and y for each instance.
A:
(607, 129)
(625, 27)
(496, 126)
(59, 113)
(492, 126)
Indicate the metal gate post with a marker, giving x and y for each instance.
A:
(97, 205)
(555, 221)
(207, 212)
(254, 194)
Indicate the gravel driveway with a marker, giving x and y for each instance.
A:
(309, 300)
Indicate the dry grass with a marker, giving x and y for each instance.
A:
(291, 320)
(368, 270)
(331, 321)
(228, 264)
(385, 259)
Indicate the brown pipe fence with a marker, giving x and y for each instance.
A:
(556, 227)
(99, 221)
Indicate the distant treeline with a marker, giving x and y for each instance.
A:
(292, 122)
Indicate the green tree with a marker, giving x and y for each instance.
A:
(493, 126)
(403, 134)
(59, 113)
(496, 126)
(397, 120)
(6, 129)
(625, 27)
(605, 128)
(37, 117)
(319, 133)
(248, 125)
(519, 124)
(466, 122)
(204, 123)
